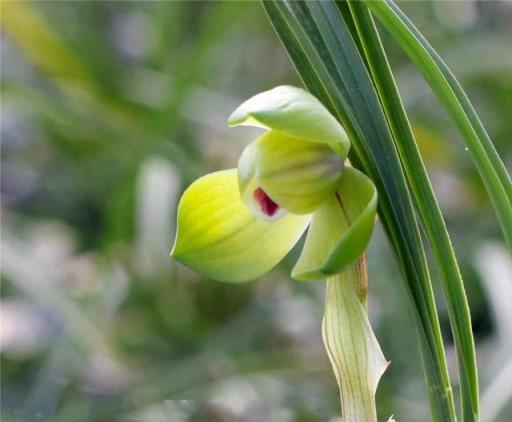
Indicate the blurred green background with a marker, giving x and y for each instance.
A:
(108, 111)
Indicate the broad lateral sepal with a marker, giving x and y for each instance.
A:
(218, 236)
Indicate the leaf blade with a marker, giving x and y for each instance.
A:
(492, 171)
(431, 216)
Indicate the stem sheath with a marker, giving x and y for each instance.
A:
(353, 350)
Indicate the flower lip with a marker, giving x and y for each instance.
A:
(267, 206)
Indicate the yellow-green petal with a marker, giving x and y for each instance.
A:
(218, 236)
(340, 229)
(294, 112)
(296, 174)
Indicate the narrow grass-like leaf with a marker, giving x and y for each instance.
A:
(322, 49)
(427, 205)
(449, 92)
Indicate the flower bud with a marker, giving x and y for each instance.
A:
(279, 173)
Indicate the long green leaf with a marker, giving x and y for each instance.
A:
(427, 205)
(327, 59)
(449, 92)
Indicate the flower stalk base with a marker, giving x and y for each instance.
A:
(354, 353)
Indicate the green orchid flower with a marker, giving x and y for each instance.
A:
(236, 225)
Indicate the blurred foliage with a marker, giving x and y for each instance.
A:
(109, 109)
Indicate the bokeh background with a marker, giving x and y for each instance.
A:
(108, 111)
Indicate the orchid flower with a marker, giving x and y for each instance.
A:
(235, 225)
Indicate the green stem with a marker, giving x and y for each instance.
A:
(355, 354)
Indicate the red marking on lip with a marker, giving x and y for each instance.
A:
(267, 206)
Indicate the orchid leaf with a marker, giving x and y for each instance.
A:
(340, 229)
(448, 90)
(217, 234)
(428, 208)
(294, 112)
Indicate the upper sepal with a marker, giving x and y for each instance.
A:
(340, 229)
(218, 236)
(294, 112)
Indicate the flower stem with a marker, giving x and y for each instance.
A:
(355, 354)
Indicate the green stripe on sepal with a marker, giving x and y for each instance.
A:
(294, 112)
(296, 174)
(218, 235)
(341, 228)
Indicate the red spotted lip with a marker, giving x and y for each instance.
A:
(267, 206)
